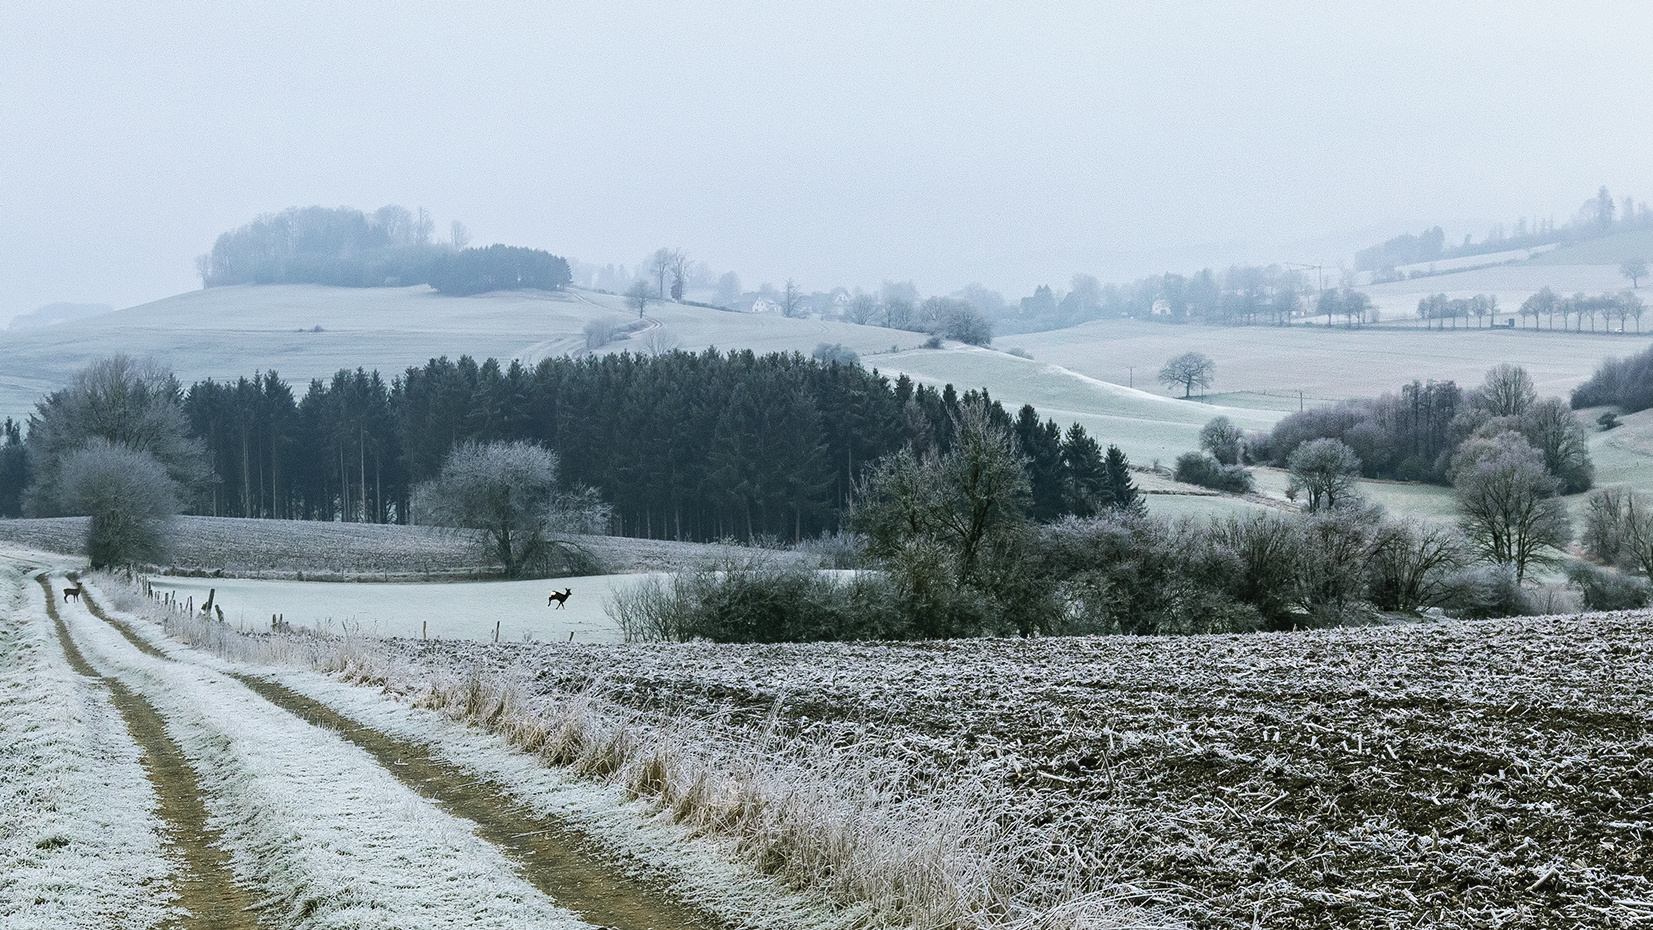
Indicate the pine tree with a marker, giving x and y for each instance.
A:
(1086, 489)
(1125, 495)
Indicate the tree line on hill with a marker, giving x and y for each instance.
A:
(1623, 306)
(1623, 382)
(1412, 435)
(684, 446)
(392, 247)
(1598, 216)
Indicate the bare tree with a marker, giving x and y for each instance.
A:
(1635, 270)
(728, 289)
(861, 309)
(1223, 440)
(396, 223)
(679, 270)
(423, 227)
(505, 493)
(1327, 470)
(1412, 565)
(660, 264)
(458, 235)
(1509, 510)
(131, 403)
(638, 297)
(129, 497)
(1506, 392)
(1188, 369)
(948, 511)
(792, 300)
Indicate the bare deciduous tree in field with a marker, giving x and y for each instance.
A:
(1508, 504)
(792, 300)
(506, 494)
(638, 297)
(1507, 392)
(1189, 370)
(679, 271)
(660, 265)
(1326, 470)
(129, 497)
(1635, 270)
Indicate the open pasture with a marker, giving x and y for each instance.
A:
(1326, 364)
(1145, 425)
(1462, 774)
(459, 610)
(230, 332)
(298, 549)
(1511, 284)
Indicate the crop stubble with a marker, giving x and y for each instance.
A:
(1497, 773)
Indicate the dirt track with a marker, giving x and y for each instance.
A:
(561, 863)
(208, 895)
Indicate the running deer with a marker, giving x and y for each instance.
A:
(558, 597)
(72, 593)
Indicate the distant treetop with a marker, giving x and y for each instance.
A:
(392, 247)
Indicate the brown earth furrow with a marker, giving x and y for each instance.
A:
(208, 895)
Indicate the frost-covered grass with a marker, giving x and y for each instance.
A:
(1462, 774)
(1145, 425)
(329, 836)
(454, 610)
(348, 551)
(231, 332)
(838, 825)
(1329, 364)
(80, 841)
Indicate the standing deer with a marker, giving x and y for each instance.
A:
(72, 593)
(558, 597)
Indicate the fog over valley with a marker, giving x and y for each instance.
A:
(846, 144)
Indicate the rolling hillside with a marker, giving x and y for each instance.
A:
(229, 332)
(1075, 375)
(1324, 363)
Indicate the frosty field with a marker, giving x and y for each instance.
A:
(1460, 774)
(457, 610)
(1326, 364)
(232, 332)
(1075, 375)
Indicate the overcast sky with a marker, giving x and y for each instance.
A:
(844, 143)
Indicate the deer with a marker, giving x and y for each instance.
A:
(72, 593)
(559, 597)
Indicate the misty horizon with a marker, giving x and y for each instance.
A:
(1006, 146)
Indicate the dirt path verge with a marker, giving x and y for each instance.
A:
(558, 860)
(207, 892)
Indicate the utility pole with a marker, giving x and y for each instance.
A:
(1130, 375)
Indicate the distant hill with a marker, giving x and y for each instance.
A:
(1607, 250)
(309, 331)
(53, 314)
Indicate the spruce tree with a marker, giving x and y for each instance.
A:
(1125, 495)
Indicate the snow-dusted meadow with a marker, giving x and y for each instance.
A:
(451, 610)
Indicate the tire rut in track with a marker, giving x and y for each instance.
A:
(207, 891)
(557, 859)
